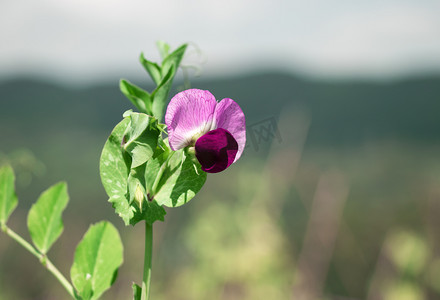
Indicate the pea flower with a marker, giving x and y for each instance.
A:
(216, 130)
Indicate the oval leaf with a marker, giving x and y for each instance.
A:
(8, 198)
(114, 171)
(44, 219)
(97, 259)
(120, 182)
(180, 182)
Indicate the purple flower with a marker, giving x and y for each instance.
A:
(217, 130)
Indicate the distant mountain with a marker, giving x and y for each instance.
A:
(343, 112)
(340, 112)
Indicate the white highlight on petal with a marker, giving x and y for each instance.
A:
(189, 115)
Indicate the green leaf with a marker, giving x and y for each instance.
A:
(160, 94)
(181, 180)
(144, 208)
(141, 138)
(44, 219)
(168, 71)
(136, 185)
(164, 48)
(163, 76)
(120, 181)
(152, 68)
(139, 97)
(173, 59)
(114, 170)
(97, 259)
(8, 198)
(155, 169)
(137, 292)
(151, 213)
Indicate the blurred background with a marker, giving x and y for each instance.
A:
(337, 195)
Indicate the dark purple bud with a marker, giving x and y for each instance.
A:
(216, 150)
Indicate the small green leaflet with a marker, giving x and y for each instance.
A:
(137, 292)
(149, 211)
(97, 259)
(160, 94)
(44, 219)
(152, 68)
(141, 138)
(136, 186)
(164, 49)
(173, 59)
(140, 98)
(8, 198)
(168, 71)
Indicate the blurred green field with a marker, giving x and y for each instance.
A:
(344, 206)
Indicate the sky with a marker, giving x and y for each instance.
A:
(97, 40)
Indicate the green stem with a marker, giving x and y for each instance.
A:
(43, 259)
(147, 261)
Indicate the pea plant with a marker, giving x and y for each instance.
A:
(145, 165)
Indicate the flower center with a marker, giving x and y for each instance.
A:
(216, 150)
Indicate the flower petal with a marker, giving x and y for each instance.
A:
(189, 114)
(228, 115)
(216, 150)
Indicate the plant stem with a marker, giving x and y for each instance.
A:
(43, 259)
(147, 261)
